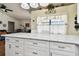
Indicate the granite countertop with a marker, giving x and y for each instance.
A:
(72, 39)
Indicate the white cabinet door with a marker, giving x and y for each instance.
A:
(9, 49)
(14, 47)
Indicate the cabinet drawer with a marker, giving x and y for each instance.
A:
(55, 54)
(62, 53)
(14, 46)
(17, 45)
(14, 40)
(37, 43)
(63, 46)
(36, 48)
(11, 48)
(19, 53)
(33, 52)
(14, 53)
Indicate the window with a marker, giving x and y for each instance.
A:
(52, 24)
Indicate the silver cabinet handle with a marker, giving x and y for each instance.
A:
(7, 39)
(61, 47)
(35, 43)
(50, 53)
(16, 53)
(17, 40)
(9, 45)
(17, 46)
(34, 53)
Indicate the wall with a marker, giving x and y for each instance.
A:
(78, 11)
(70, 11)
(23, 22)
(5, 18)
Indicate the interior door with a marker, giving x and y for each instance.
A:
(11, 26)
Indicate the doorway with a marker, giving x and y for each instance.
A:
(11, 26)
(27, 27)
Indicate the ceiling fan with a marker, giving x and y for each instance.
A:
(3, 7)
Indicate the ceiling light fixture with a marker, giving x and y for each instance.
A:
(44, 4)
(34, 5)
(25, 6)
(51, 9)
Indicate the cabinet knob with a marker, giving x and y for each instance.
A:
(34, 53)
(50, 53)
(9, 45)
(35, 43)
(16, 53)
(17, 40)
(61, 47)
(17, 46)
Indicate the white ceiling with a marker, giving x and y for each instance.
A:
(18, 12)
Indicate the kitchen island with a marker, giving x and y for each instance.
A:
(34, 44)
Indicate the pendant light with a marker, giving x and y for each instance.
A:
(44, 4)
(34, 5)
(25, 6)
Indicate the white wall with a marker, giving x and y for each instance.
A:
(78, 12)
(22, 22)
(25, 21)
(5, 18)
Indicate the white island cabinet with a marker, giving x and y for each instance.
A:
(63, 49)
(26, 47)
(22, 44)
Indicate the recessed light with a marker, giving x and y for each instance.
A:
(44, 4)
(25, 6)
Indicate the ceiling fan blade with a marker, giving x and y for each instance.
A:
(3, 6)
(5, 10)
(9, 10)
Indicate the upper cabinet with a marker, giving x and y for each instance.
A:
(52, 24)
